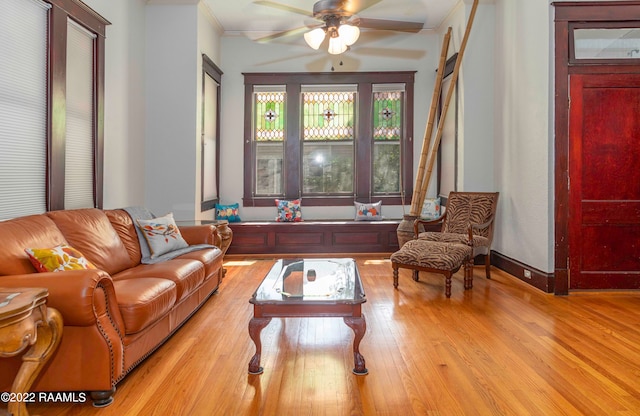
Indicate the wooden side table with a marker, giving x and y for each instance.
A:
(225, 233)
(25, 321)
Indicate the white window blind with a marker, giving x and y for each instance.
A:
(23, 107)
(209, 133)
(79, 144)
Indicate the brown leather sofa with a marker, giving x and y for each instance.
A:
(115, 315)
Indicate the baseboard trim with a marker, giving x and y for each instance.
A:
(539, 279)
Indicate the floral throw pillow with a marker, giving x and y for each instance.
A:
(230, 213)
(288, 211)
(162, 235)
(368, 212)
(56, 259)
(431, 209)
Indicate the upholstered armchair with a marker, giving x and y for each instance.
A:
(468, 219)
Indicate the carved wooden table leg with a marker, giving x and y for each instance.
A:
(226, 235)
(48, 336)
(256, 325)
(359, 326)
(25, 321)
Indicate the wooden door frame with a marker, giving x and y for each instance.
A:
(597, 14)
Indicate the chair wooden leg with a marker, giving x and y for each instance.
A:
(395, 276)
(468, 275)
(487, 265)
(447, 285)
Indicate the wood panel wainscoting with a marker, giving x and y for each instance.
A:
(348, 236)
(502, 348)
(324, 238)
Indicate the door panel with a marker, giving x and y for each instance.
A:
(604, 182)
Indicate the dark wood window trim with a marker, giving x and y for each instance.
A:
(363, 153)
(568, 16)
(56, 126)
(209, 68)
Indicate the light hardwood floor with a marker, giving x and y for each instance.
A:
(502, 348)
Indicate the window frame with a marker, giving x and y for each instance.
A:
(209, 68)
(293, 82)
(60, 11)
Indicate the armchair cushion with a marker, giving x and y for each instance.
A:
(478, 240)
(465, 208)
(432, 255)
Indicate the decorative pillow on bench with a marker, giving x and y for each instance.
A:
(288, 211)
(368, 212)
(431, 208)
(230, 213)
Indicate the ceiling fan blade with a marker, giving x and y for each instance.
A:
(391, 53)
(356, 6)
(284, 33)
(283, 7)
(382, 24)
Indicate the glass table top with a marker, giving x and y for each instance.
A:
(311, 280)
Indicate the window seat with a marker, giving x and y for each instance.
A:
(314, 237)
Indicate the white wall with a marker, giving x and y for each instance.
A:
(505, 133)
(209, 33)
(402, 52)
(524, 132)
(124, 107)
(176, 35)
(171, 109)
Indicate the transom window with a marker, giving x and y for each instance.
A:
(328, 138)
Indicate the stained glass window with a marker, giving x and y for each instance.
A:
(328, 115)
(269, 131)
(387, 115)
(328, 137)
(388, 101)
(269, 116)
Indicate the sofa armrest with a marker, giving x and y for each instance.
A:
(81, 296)
(201, 234)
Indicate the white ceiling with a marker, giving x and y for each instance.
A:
(254, 20)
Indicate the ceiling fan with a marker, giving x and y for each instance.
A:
(337, 20)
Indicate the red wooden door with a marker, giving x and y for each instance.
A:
(604, 182)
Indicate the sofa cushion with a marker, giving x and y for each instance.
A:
(143, 301)
(126, 229)
(211, 258)
(90, 231)
(24, 232)
(185, 273)
(57, 259)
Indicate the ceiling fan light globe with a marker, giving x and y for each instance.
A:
(314, 37)
(336, 45)
(349, 34)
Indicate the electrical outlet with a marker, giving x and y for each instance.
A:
(527, 273)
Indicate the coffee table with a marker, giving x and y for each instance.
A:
(307, 288)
